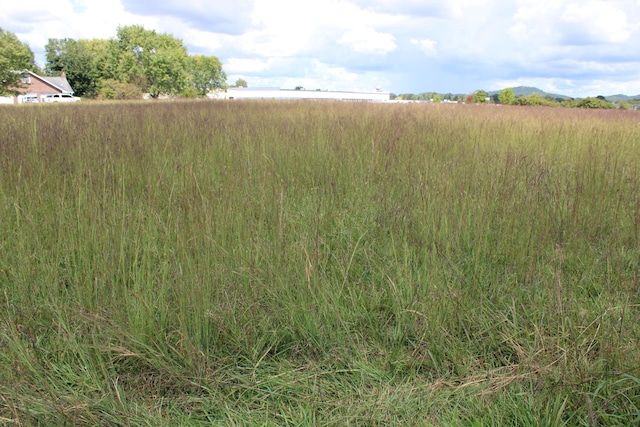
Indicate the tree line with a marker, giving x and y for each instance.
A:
(507, 97)
(134, 62)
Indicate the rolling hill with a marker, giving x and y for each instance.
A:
(527, 90)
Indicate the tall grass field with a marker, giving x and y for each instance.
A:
(318, 264)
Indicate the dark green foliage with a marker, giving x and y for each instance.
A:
(205, 74)
(479, 97)
(15, 57)
(506, 96)
(157, 63)
(79, 59)
(592, 103)
(241, 83)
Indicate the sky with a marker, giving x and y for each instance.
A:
(577, 48)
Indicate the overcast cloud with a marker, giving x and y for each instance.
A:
(573, 47)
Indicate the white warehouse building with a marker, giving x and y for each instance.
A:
(289, 94)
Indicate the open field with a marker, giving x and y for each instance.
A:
(293, 263)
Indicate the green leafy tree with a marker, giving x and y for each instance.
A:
(15, 56)
(55, 50)
(80, 60)
(205, 73)
(479, 97)
(506, 96)
(241, 83)
(437, 98)
(156, 62)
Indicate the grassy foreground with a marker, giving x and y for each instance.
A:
(274, 263)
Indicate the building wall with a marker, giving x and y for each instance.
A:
(38, 87)
(276, 93)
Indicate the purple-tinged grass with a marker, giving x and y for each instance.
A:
(293, 263)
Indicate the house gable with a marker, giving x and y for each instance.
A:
(41, 85)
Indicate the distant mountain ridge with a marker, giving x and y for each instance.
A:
(519, 91)
(621, 97)
(528, 90)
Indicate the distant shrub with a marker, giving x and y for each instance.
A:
(623, 105)
(592, 103)
(113, 89)
(535, 99)
(190, 92)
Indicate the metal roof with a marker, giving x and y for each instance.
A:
(59, 83)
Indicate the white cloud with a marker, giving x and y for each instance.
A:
(423, 8)
(228, 17)
(37, 11)
(244, 65)
(571, 23)
(534, 21)
(38, 21)
(334, 74)
(569, 45)
(311, 74)
(325, 77)
(199, 41)
(291, 27)
(368, 40)
(427, 46)
(598, 21)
